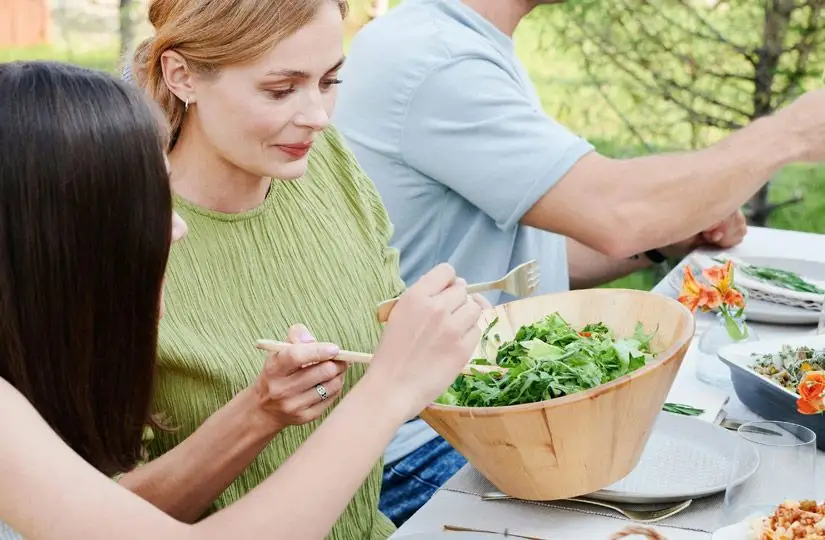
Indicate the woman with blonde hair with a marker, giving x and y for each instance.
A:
(86, 225)
(286, 228)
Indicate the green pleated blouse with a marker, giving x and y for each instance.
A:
(315, 252)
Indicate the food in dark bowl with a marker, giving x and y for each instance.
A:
(766, 383)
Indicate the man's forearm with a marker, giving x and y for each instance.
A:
(702, 188)
(186, 480)
(622, 207)
(589, 268)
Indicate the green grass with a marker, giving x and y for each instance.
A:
(809, 215)
(103, 59)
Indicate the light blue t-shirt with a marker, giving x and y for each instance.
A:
(7, 533)
(443, 117)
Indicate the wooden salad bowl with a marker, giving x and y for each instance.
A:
(581, 443)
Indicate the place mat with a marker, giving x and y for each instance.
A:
(704, 515)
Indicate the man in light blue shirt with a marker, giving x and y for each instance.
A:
(444, 119)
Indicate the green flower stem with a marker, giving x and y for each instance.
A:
(735, 331)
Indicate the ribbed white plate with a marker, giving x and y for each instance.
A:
(771, 312)
(684, 458)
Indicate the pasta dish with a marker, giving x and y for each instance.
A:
(792, 520)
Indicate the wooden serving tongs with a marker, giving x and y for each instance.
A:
(364, 358)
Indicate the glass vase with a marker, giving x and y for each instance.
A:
(724, 331)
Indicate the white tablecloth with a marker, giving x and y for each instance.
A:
(453, 508)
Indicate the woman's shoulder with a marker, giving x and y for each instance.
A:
(336, 163)
(335, 167)
(12, 400)
(20, 420)
(21, 426)
(334, 146)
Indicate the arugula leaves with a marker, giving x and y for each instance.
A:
(549, 359)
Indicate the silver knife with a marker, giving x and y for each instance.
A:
(734, 425)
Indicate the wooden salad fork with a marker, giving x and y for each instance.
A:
(364, 358)
(519, 282)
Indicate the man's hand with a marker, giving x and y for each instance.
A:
(729, 233)
(726, 234)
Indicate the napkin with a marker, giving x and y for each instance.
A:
(760, 290)
(688, 390)
(702, 397)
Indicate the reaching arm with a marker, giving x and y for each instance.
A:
(621, 207)
(473, 128)
(318, 481)
(589, 268)
(187, 479)
(50, 492)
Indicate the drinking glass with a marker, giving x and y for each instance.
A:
(820, 327)
(785, 469)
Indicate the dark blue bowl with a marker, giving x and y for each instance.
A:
(772, 402)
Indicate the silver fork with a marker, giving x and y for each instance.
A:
(639, 516)
(519, 282)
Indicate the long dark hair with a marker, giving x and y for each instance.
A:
(85, 229)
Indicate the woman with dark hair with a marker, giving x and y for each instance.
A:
(86, 224)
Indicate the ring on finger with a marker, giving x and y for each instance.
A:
(322, 392)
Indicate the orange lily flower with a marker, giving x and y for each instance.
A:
(734, 298)
(721, 277)
(695, 296)
(718, 275)
(811, 393)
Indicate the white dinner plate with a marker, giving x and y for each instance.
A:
(769, 312)
(685, 458)
(738, 531)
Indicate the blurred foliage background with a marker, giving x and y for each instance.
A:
(633, 76)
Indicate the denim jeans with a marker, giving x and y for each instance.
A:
(413, 479)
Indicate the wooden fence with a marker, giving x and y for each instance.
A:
(24, 23)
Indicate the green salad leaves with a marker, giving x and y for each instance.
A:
(547, 360)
